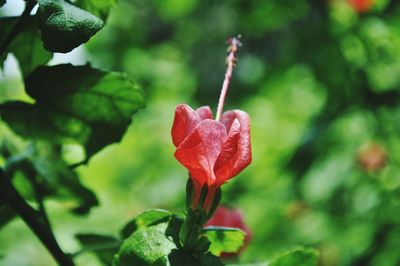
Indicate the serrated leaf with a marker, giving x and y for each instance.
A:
(100, 8)
(75, 104)
(103, 246)
(299, 257)
(147, 218)
(224, 239)
(146, 246)
(27, 46)
(65, 26)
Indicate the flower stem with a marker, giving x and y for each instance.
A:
(231, 60)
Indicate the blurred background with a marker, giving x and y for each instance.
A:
(321, 82)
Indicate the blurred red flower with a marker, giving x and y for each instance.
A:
(361, 6)
(230, 217)
(213, 151)
(372, 157)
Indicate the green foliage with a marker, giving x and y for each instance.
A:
(153, 239)
(41, 170)
(146, 246)
(65, 26)
(60, 180)
(100, 8)
(146, 219)
(27, 46)
(298, 257)
(319, 81)
(2, 2)
(224, 239)
(180, 258)
(78, 104)
(103, 246)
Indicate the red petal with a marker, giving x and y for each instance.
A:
(236, 151)
(204, 112)
(199, 151)
(186, 119)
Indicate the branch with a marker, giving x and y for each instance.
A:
(33, 219)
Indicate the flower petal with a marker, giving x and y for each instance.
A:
(236, 151)
(186, 119)
(204, 112)
(199, 151)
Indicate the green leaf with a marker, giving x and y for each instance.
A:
(299, 256)
(147, 218)
(40, 169)
(182, 258)
(75, 104)
(146, 246)
(65, 26)
(100, 8)
(2, 2)
(173, 229)
(103, 246)
(224, 239)
(62, 182)
(27, 46)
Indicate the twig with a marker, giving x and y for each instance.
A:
(38, 191)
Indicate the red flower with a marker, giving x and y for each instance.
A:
(372, 157)
(230, 217)
(361, 6)
(213, 151)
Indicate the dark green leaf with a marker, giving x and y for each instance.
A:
(147, 218)
(65, 26)
(146, 246)
(209, 259)
(27, 46)
(2, 2)
(75, 104)
(63, 182)
(100, 8)
(181, 258)
(224, 239)
(299, 257)
(40, 169)
(103, 246)
(174, 227)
